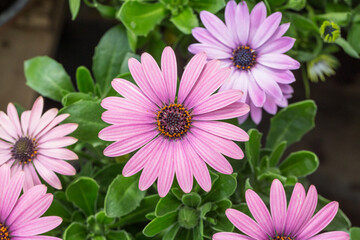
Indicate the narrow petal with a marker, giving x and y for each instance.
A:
(48, 175)
(60, 153)
(270, 106)
(242, 22)
(117, 133)
(58, 132)
(166, 175)
(223, 129)
(266, 30)
(182, 167)
(52, 124)
(28, 182)
(119, 103)
(36, 226)
(212, 52)
(280, 45)
(217, 101)
(4, 180)
(14, 118)
(200, 170)
(40, 237)
(154, 76)
(57, 165)
(230, 236)
(335, 235)
(58, 142)
(205, 37)
(278, 205)
(35, 115)
(137, 71)
(121, 117)
(245, 224)
(319, 221)
(278, 61)
(8, 126)
(256, 94)
(241, 82)
(266, 82)
(129, 145)
(25, 116)
(211, 157)
(169, 71)
(280, 31)
(217, 28)
(257, 16)
(260, 212)
(5, 156)
(280, 76)
(255, 113)
(191, 74)
(232, 111)
(45, 120)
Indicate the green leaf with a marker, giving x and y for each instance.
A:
(84, 80)
(123, 196)
(302, 23)
(299, 164)
(354, 233)
(74, 7)
(167, 204)
(132, 39)
(340, 222)
(347, 47)
(107, 174)
(296, 5)
(222, 188)
(57, 208)
(83, 192)
(291, 123)
(140, 17)
(124, 66)
(105, 10)
(74, 97)
(186, 20)
(223, 225)
(88, 115)
(160, 223)
(276, 155)
(341, 18)
(204, 209)
(47, 77)
(75, 231)
(101, 218)
(191, 199)
(209, 5)
(354, 36)
(252, 148)
(171, 233)
(118, 235)
(108, 57)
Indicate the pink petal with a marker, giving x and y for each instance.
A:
(257, 95)
(58, 132)
(121, 117)
(241, 82)
(36, 226)
(142, 81)
(14, 118)
(210, 156)
(257, 16)
(29, 182)
(48, 175)
(199, 168)
(8, 126)
(230, 19)
(58, 142)
(280, 76)
(166, 174)
(4, 180)
(270, 106)
(266, 82)
(232, 111)
(35, 115)
(280, 31)
(169, 71)
(155, 77)
(245, 224)
(230, 236)
(25, 116)
(335, 235)
(278, 61)
(266, 29)
(255, 113)
(141, 157)
(182, 167)
(190, 76)
(60, 153)
(217, 28)
(223, 129)
(41, 237)
(278, 205)
(242, 22)
(52, 124)
(5, 156)
(280, 45)
(7, 137)
(117, 133)
(57, 165)
(126, 146)
(45, 120)
(212, 51)
(119, 103)
(260, 212)
(217, 101)
(205, 37)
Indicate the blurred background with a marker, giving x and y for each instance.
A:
(30, 28)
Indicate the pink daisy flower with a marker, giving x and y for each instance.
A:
(252, 45)
(293, 222)
(177, 133)
(35, 141)
(20, 217)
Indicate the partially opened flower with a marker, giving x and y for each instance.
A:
(253, 46)
(321, 67)
(36, 142)
(20, 218)
(177, 133)
(292, 222)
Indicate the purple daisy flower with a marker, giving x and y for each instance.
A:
(293, 222)
(252, 45)
(36, 142)
(177, 133)
(20, 217)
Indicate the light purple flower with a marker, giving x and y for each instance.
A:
(293, 222)
(36, 142)
(20, 218)
(177, 133)
(252, 45)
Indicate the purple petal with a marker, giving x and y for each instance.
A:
(41, 237)
(257, 95)
(280, 31)
(255, 113)
(241, 82)
(36, 226)
(270, 106)
(266, 82)
(278, 205)
(57, 165)
(169, 71)
(230, 19)
(223, 129)
(58, 142)
(48, 175)
(205, 37)
(232, 111)
(35, 115)
(212, 52)
(121, 132)
(45, 120)
(280, 45)
(242, 22)
(278, 61)
(257, 16)
(166, 175)
(230, 236)
(335, 235)
(182, 167)
(52, 124)
(60, 153)
(266, 29)
(119, 103)
(58, 132)
(14, 118)
(4, 180)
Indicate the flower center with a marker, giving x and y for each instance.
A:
(4, 234)
(329, 30)
(173, 120)
(24, 150)
(282, 238)
(243, 57)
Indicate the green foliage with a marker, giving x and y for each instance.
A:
(75, 231)
(354, 233)
(185, 21)
(74, 8)
(299, 164)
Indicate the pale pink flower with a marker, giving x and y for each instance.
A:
(253, 46)
(293, 222)
(20, 218)
(177, 133)
(36, 142)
